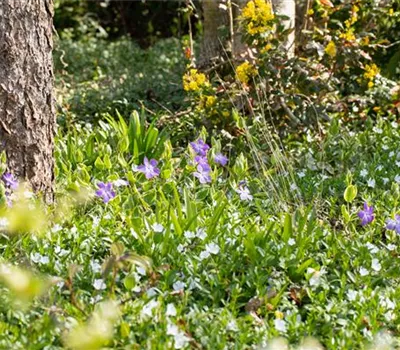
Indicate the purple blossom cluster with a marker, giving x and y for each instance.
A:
(149, 168)
(366, 215)
(11, 183)
(203, 168)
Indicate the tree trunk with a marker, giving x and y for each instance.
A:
(212, 44)
(287, 8)
(27, 110)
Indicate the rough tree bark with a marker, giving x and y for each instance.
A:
(212, 44)
(287, 8)
(27, 110)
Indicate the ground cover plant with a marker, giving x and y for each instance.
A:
(253, 205)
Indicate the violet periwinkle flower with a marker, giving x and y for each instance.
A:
(203, 161)
(10, 181)
(244, 193)
(220, 159)
(149, 168)
(200, 147)
(394, 224)
(105, 191)
(366, 215)
(203, 174)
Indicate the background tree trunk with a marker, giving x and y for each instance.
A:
(212, 43)
(287, 8)
(27, 111)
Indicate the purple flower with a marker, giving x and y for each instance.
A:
(394, 224)
(220, 159)
(244, 193)
(203, 174)
(149, 168)
(200, 147)
(10, 181)
(366, 215)
(105, 191)
(203, 161)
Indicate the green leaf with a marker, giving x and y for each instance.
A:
(345, 214)
(350, 193)
(99, 164)
(287, 228)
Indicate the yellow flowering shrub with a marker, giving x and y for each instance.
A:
(257, 14)
(194, 81)
(245, 72)
(330, 49)
(371, 71)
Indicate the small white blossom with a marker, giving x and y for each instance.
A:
(363, 173)
(120, 183)
(280, 325)
(189, 234)
(385, 180)
(56, 228)
(179, 285)
(397, 178)
(201, 233)
(232, 326)
(95, 266)
(99, 284)
(376, 266)
(391, 247)
(158, 228)
(351, 295)
(212, 248)
(147, 310)
(180, 248)
(291, 242)
(364, 271)
(151, 292)
(372, 248)
(371, 183)
(171, 310)
(141, 270)
(301, 174)
(204, 255)
(3, 223)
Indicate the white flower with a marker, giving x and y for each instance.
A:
(38, 258)
(3, 223)
(377, 130)
(397, 178)
(158, 228)
(171, 310)
(120, 183)
(172, 329)
(351, 295)
(371, 183)
(315, 279)
(212, 248)
(391, 247)
(385, 180)
(56, 228)
(364, 271)
(201, 233)
(44, 260)
(280, 325)
(301, 174)
(232, 326)
(95, 266)
(376, 266)
(179, 285)
(363, 173)
(291, 242)
(189, 234)
(180, 340)
(293, 187)
(180, 248)
(99, 284)
(141, 270)
(147, 310)
(204, 255)
(391, 154)
(151, 292)
(372, 248)
(244, 193)
(379, 167)
(390, 316)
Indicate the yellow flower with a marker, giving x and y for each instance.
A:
(279, 315)
(310, 12)
(245, 71)
(371, 71)
(266, 48)
(391, 11)
(349, 35)
(330, 49)
(194, 81)
(365, 41)
(225, 113)
(257, 14)
(210, 101)
(370, 84)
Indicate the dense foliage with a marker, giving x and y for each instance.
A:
(252, 205)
